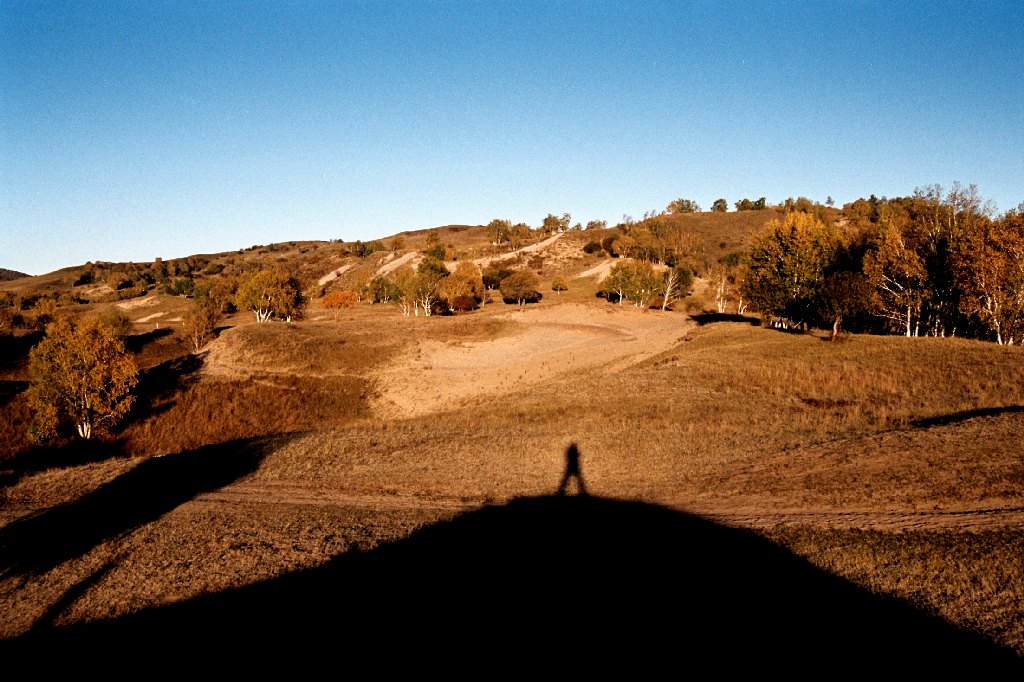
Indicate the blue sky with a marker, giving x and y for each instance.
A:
(135, 130)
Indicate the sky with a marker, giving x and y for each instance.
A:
(136, 130)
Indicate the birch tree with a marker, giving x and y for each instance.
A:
(82, 374)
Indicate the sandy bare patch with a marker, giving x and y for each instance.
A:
(390, 266)
(334, 274)
(148, 318)
(138, 303)
(601, 270)
(543, 342)
(532, 248)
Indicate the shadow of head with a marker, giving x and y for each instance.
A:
(595, 584)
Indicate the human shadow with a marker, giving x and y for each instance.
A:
(583, 584)
(572, 472)
(152, 488)
(956, 417)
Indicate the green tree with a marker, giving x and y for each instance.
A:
(382, 289)
(720, 205)
(80, 373)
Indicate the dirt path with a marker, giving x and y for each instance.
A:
(543, 342)
(968, 519)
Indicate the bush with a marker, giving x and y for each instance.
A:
(593, 247)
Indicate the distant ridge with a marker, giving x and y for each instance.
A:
(7, 275)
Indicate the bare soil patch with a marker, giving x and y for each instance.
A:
(538, 344)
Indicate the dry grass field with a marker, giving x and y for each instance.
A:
(752, 493)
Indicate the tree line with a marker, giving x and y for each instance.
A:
(936, 263)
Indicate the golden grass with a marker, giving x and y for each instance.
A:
(734, 418)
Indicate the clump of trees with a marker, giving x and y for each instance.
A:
(935, 263)
(640, 283)
(336, 300)
(520, 287)
(746, 204)
(660, 242)
(81, 375)
(683, 206)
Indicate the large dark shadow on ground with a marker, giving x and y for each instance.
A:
(134, 343)
(73, 452)
(575, 584)
(160, 385)
(956, 417)
(712, 318)
(152, 488)
(14, 349)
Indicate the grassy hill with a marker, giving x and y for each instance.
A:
(280, 454)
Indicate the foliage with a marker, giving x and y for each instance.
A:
(988, 265)
(596, 225)
(218, 293)
(382, 289)
(676, 282)
(82, 374)
(592, 248)
(745, 204)
(119, 321)
(493, 274)
(464, 285)
(199, 324)
(362, 250)
(518, 235)
(434, 248)
(179, 286)
(635, 281)
(720, 205)
(559, 284)
(553, 223)
(520, 286)
(683, 206)
(788, 261)
(271, 293)
(336, 300)
(843, 295)
(499, 231)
